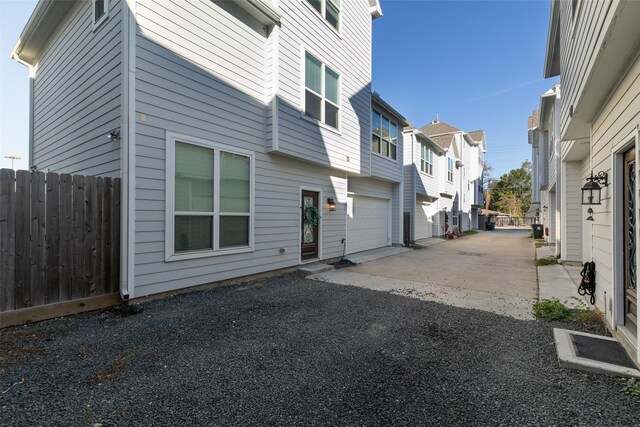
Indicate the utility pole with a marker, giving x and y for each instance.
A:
(13, 159)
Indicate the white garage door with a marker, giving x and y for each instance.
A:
(423, 224)
(367, 223)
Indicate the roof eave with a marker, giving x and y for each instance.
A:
(376, 99)
(43, 21)
(552, 56)
(375, 9)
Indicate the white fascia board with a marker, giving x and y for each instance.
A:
(262, 10)
(375, 9)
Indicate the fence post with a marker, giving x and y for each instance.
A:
(7, 239)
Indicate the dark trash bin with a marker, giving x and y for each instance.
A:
(538, 231)
(490, 226)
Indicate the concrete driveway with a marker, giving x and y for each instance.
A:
(492, 271)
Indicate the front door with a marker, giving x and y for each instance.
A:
(630, 244)
(310, 219)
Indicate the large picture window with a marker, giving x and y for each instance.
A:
(384, 138)
(322, 92)
(449, 169)
(209, 199)
(329, 9)
(426, 159)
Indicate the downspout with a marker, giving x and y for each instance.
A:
(32, 77)
(128, 151)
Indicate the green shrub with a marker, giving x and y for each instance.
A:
(552, 310)
(632, 387)
(539, 245)
(469, 232)
(546, 261)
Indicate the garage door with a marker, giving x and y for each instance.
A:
(367, 223)
(424, 227)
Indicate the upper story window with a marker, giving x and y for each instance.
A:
(100, 11)
(329, 9)
(322, 92)
(209, 199)
(449, 169)
(384, 138)
(426, 159)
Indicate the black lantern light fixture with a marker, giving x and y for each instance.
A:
(332, 204)
(592, 189)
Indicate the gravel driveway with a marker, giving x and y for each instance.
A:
(291, 351)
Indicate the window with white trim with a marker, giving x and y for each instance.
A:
(329, 9)
(322, 92)
(384, 138)
(209, 199)
(426, 159)
(100, 9)
(449, 169)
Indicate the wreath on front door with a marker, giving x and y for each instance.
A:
(311, 216)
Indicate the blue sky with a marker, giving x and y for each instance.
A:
(476, 63)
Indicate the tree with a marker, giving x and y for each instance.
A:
(511, 193)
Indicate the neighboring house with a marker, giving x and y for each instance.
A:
(461, 167)
(231, 124)
(423, 179)
(593, 47)
(536, 163)
(545, 169)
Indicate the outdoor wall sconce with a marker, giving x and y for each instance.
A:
(114, 135)
(332, 204)
(590, 217)
(592, 189)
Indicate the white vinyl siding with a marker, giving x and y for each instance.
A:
(202, 71)
(76, 103)
(349, 55)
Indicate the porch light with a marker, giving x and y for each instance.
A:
(592, 189)
(590, 217)
(332, 204)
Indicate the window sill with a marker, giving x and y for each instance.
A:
(324, 20)
(384, 157)
(320, 124)
(430, 175)
(206, 254)
(99, 22)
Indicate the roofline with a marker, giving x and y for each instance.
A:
(374, 9)
(418, 132)
(552, 35)
(375, 98)
(545, 100)
(36, 17)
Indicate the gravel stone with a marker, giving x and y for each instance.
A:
(291, 351)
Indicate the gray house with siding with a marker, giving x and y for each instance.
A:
(242, 130)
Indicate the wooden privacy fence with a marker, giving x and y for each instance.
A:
(59, 238)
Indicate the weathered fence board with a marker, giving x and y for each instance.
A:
(59, 238)
(7, 239)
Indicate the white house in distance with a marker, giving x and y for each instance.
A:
(544, 138)
(593, 46)
(459, 172)
(423, 184)
(242, 130)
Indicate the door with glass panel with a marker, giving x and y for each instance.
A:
(630, 244)
(310, 218)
